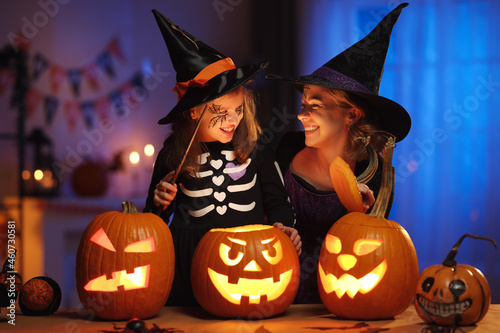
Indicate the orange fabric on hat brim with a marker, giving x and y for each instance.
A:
(203, 76)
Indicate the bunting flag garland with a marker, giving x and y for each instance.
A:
(72, 113)
(115, 49)
(50, 107)
(119, 101)
(90, 72)
(57, 74)
(41, 65)
(102, 107)
(105, 63)
(75, 76)
(88, 113)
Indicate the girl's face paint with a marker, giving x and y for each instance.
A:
(221, 118)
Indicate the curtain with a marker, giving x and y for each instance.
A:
(443, 66)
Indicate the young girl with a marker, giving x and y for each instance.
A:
(226, 180)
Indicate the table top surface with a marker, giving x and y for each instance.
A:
(297, 318)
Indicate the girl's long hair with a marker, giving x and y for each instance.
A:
(244, 138)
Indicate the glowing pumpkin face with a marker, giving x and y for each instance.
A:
(347, 283)
(137, 279)
(367, 268)
(124, 265)
(245, 271)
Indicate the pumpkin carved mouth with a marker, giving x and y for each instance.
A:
(139, 279)
(443, 309)
(254, 289)
(349, 284)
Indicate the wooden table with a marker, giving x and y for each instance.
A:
(298, 318)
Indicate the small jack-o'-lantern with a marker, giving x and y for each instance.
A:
(125, 264)
(451, 294)
(368, 265)
(249, 271)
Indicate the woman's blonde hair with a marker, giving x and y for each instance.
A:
(244, 139)
(362, 133)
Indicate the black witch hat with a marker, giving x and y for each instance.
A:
(358, 70)
(203, 73)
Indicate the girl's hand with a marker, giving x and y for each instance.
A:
(367, 194)
(165, 192)
(293, 234)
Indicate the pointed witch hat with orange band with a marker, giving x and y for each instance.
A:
(203, 73)
(358, 70)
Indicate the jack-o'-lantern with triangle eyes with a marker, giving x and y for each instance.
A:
(249, 271)
(125, 264)
(368, 264)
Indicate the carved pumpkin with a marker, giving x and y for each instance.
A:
(249, 271)
(368, 265)
(125, 264)
(451, 294)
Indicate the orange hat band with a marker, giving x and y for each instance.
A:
(203, 76)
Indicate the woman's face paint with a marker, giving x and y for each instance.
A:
(222, 117)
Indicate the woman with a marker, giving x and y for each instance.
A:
(224, 181)
(342, 115)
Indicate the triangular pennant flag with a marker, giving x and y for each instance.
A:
(75, 77)
(6, 80)
(102, 108)
(71, 111)
(104, 62)
(117, 103)
(57, 74)
(138, 81)
(33, 99)
(51, 105)
(40, 65)
(88, 112)
(90, 72)
(18, 41)
(134, 91)
(129, 95)
(114, 48)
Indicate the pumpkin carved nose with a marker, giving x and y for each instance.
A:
(347, 261)
(252, 266)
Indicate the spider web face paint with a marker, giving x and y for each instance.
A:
(221, 115)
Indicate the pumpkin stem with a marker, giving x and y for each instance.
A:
(387, 186)
(450, 259)
(129, 207)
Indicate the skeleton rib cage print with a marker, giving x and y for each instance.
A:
(222, 178)
(228, 193)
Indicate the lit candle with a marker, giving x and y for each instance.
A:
(134, 157)
(149, 150)
(38, 175)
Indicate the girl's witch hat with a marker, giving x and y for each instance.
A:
(203, 73)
